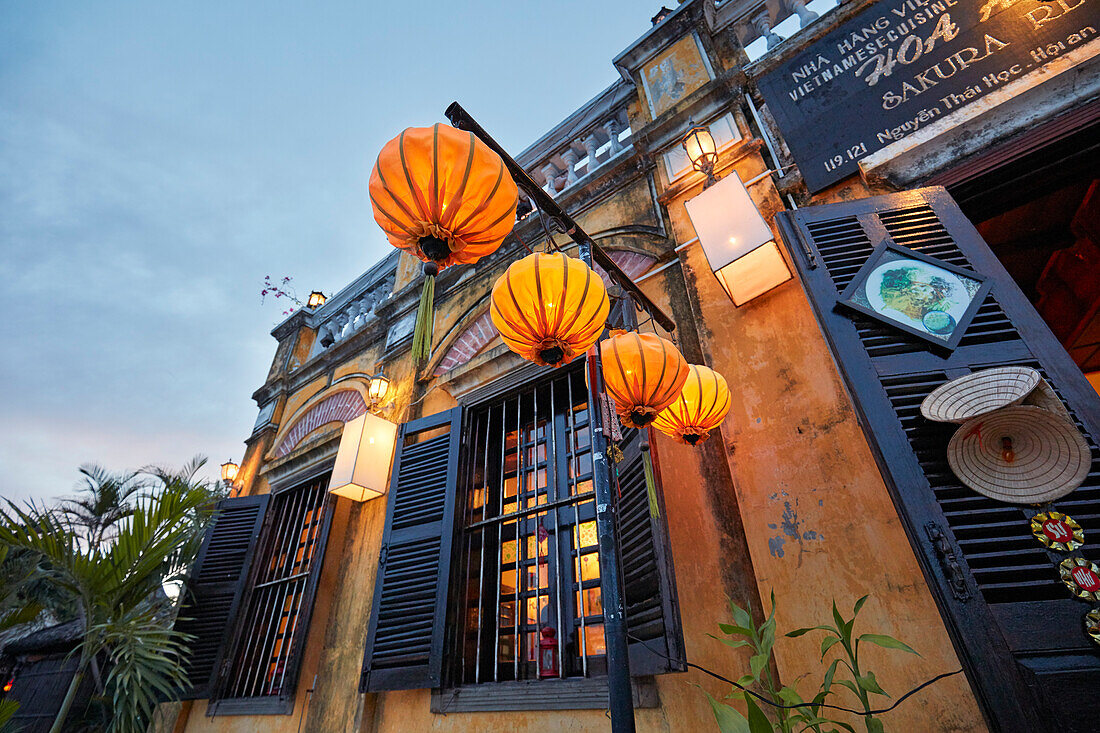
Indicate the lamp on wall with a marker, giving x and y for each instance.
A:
(362, 469)
(738, 243)
(229, 471)
(378, 388)
(316, 299)
(701, 151)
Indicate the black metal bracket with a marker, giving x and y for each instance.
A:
(461, 119)
(948, 561)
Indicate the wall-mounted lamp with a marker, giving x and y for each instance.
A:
(378, 388)
(229, 471)
(738, 243)
(362, 469)
(701, 151)
(316, 299)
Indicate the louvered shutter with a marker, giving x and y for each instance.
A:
(649, 586)
(405, 638)
(213, 592)
(1017, 630)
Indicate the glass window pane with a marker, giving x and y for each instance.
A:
(593, 640)
(540, 618)
(590, 566)
(590, 602)
(586, 535)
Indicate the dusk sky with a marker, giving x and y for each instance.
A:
(158, 160)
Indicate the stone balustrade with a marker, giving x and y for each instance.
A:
(580, 154)
(760, 32)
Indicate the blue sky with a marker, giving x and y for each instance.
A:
(157, 160)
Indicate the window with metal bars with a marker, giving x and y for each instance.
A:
(263, 663)
(528, 538)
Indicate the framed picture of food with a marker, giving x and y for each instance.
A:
(921, 295)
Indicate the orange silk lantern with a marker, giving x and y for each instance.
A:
(443, 196)
(549, 308)
(700, 407)
(643, 373)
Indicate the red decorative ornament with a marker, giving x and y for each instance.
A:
(1081, 577)
(548, 653)
(1057, 531)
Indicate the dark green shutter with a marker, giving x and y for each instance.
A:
(213, 593)
(408, 618)
(652, 611)
(1017, 631)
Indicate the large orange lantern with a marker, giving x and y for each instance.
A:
(643, 373)
(443, 196)
(549, 308)
(700, 407)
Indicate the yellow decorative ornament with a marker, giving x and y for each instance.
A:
(700, 407)
(549, 308)
(643, 373)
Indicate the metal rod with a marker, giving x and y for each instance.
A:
(481, 554)
(518, 552)
(583, 646)
(461, 119)
(555, 481)
(500, 530)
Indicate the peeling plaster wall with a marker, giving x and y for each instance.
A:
(819, 521)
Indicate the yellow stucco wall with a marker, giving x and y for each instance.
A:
(819, 521)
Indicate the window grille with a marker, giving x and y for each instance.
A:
(273, 628)
(528, 537)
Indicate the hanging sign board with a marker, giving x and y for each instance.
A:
(900, 65)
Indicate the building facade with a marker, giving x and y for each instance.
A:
(964, 131)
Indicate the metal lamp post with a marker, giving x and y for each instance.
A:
(620, 700)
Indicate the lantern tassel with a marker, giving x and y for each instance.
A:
(425, 317)
(650, 482)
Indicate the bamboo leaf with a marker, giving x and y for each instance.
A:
(730, 720)
(738, 630)
(799, 632)
(827, 644)
(888, 642)
(859, 605)
(869, 683)
(757, 662)
(758, 722)
(874, 725)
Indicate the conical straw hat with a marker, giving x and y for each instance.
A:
(979, 393)
(1043, 396)
(1050, 459)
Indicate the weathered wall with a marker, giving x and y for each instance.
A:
(819, 521)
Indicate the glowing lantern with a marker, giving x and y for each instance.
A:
(699, 145)
(443, 196)
(316, 299)
(229, 471)
(643, 373)
(739, 245)
(362, 469)
(549, 308)
(377, 388)
(701, 406)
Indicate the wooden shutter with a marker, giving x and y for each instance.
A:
(652, 609)
(405, 639)
(1016, 628)
(213, 592)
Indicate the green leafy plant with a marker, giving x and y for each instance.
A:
(744, 632)
(862, 683)
(117, 584)
(789, 712)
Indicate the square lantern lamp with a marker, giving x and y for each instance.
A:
(738, 243)
(362, 469)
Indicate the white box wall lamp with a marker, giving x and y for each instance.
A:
(738, 243)
(362, 470)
